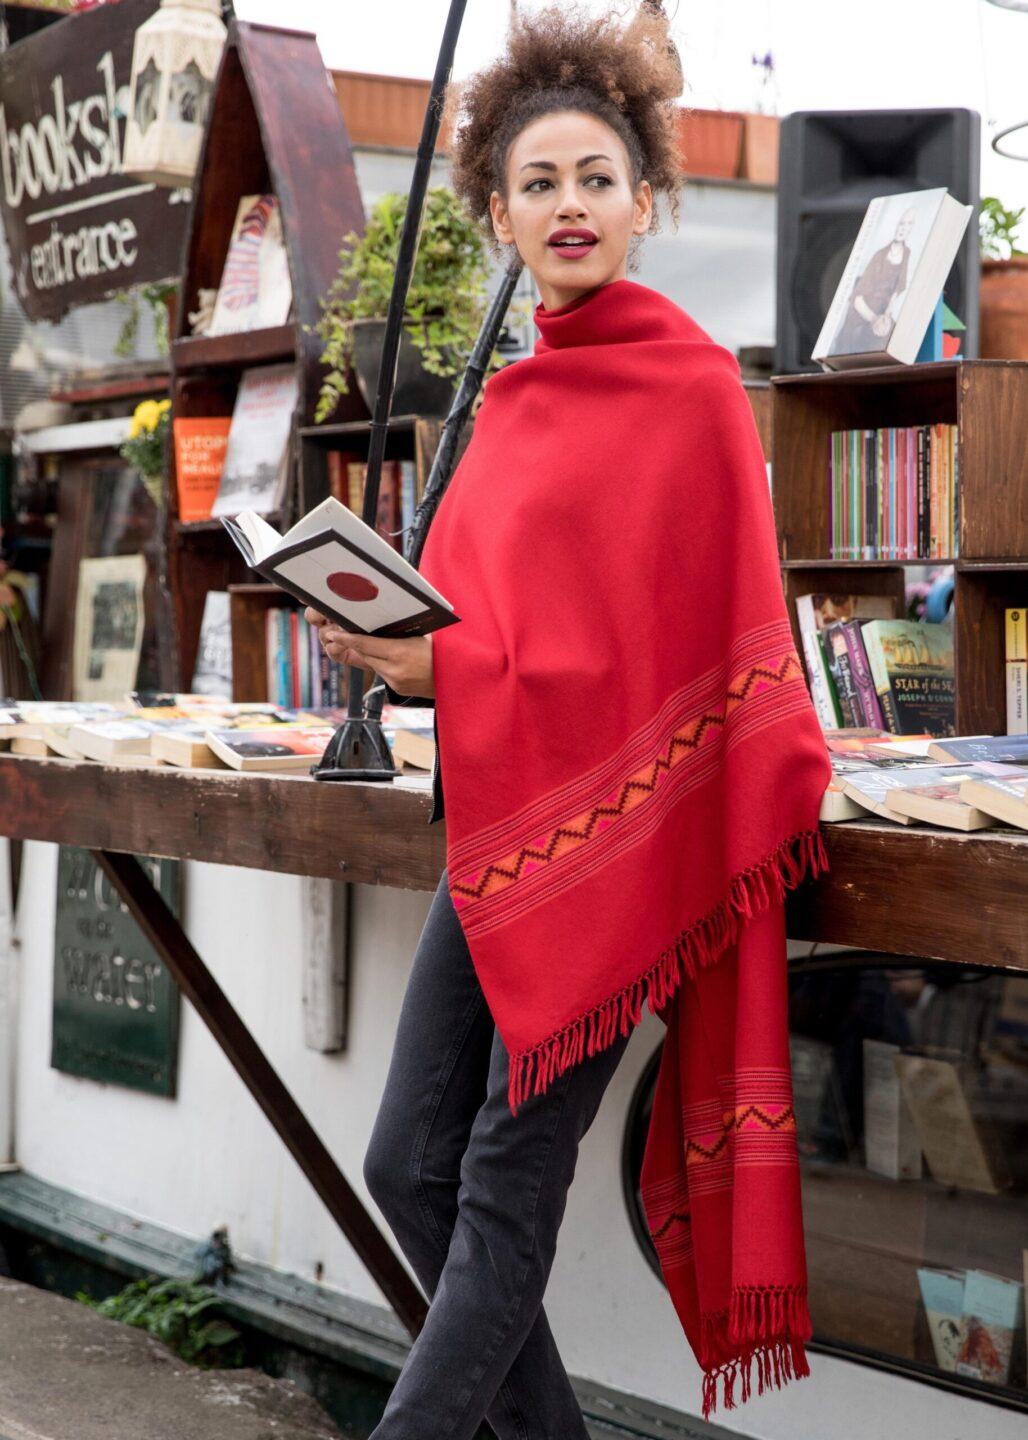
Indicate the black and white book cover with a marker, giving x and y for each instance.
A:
(893, 280)
(333, 561)
(256, 458)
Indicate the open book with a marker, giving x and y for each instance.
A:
(330, 559)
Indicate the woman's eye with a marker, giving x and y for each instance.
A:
(604, 180)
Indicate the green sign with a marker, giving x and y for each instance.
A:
(115, 1006)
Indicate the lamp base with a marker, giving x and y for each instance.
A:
(358, 750)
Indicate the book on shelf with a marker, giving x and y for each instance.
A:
(892, 280)
(281, 748)
(213, 672)
(255, 290)
(911, 663)
(200, 444)
(108, 628)
(891, 1144)
(187, 747)
(959, 1148)
(397, 496)
(334, 562)
(43, 740)
(414, 745)
(256, 464)
(893, 493)
(118, 742)
(940, 800)
(1001, 749)
(1004, 796)
(992, 1314)
(817, 611)
(942, 1294)
(869, 784)
(1015, 628)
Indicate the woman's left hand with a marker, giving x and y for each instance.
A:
(405, 664)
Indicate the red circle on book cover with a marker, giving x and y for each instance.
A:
(349, 586)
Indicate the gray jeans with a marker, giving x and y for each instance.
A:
(475, 1197)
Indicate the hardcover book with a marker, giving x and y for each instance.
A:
(200, 445)
(255, 290)
(912, 666)
(257, 454)
(892, 281)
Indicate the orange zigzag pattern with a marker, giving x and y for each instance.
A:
(782, 1122)
(572, 834)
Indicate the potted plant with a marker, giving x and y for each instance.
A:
(710, 141)
(445, 306)
(1003, 292)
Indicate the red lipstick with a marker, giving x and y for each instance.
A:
(573, 244)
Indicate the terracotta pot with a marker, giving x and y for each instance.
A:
(760, 148)
(710, 142)
(1003, 309)
(416, 391)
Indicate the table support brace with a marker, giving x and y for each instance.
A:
(196, 982)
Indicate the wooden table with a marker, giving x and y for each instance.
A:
(904, 890)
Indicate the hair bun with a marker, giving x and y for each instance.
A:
(650, 26)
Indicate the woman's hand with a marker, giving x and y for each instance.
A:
(406, 665)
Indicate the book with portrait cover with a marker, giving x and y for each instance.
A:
(893, 280)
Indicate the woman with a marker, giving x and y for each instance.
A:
(632, 768)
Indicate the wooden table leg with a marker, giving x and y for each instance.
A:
(259, 1076)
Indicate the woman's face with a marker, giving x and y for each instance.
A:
(570, 172)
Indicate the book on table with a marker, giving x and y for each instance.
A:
(334, 562)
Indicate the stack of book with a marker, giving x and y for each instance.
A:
(967, 783)
(894, 493)
(190, 731)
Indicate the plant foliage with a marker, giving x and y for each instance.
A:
(182, 1313)
(446, 300)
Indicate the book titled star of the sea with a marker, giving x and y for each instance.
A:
(335, 562)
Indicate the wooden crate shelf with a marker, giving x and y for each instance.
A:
(987, 400)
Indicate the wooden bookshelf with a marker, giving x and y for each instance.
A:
(988, 402)
(274, 127)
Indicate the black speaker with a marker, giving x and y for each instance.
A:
(831, 164)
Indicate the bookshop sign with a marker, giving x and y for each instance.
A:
(78, 228)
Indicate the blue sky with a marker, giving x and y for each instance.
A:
(879, 54)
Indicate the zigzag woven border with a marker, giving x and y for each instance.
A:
(689, 737)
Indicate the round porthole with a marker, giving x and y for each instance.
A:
(633, 1147)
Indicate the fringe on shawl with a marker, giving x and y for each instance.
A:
(750, 892)
(774, 1322)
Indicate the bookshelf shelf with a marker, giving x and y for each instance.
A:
(987, 400)
(269, 90)
(250, 347)
(809, 563)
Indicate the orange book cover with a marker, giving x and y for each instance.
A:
(200, 442)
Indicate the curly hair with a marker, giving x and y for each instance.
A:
(560, 58)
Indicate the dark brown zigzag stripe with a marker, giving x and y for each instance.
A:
(684, 1216)
(751, 1112)
(565, 832)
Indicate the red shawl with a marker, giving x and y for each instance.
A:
(633, 769)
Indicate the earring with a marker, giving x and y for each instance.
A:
(634, 247)
(509, 252)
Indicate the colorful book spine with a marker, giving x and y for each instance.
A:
(894, 493)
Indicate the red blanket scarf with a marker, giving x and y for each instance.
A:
(633, 769)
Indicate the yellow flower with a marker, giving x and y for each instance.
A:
(163, 405)
(147, 414)
(134, 428)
